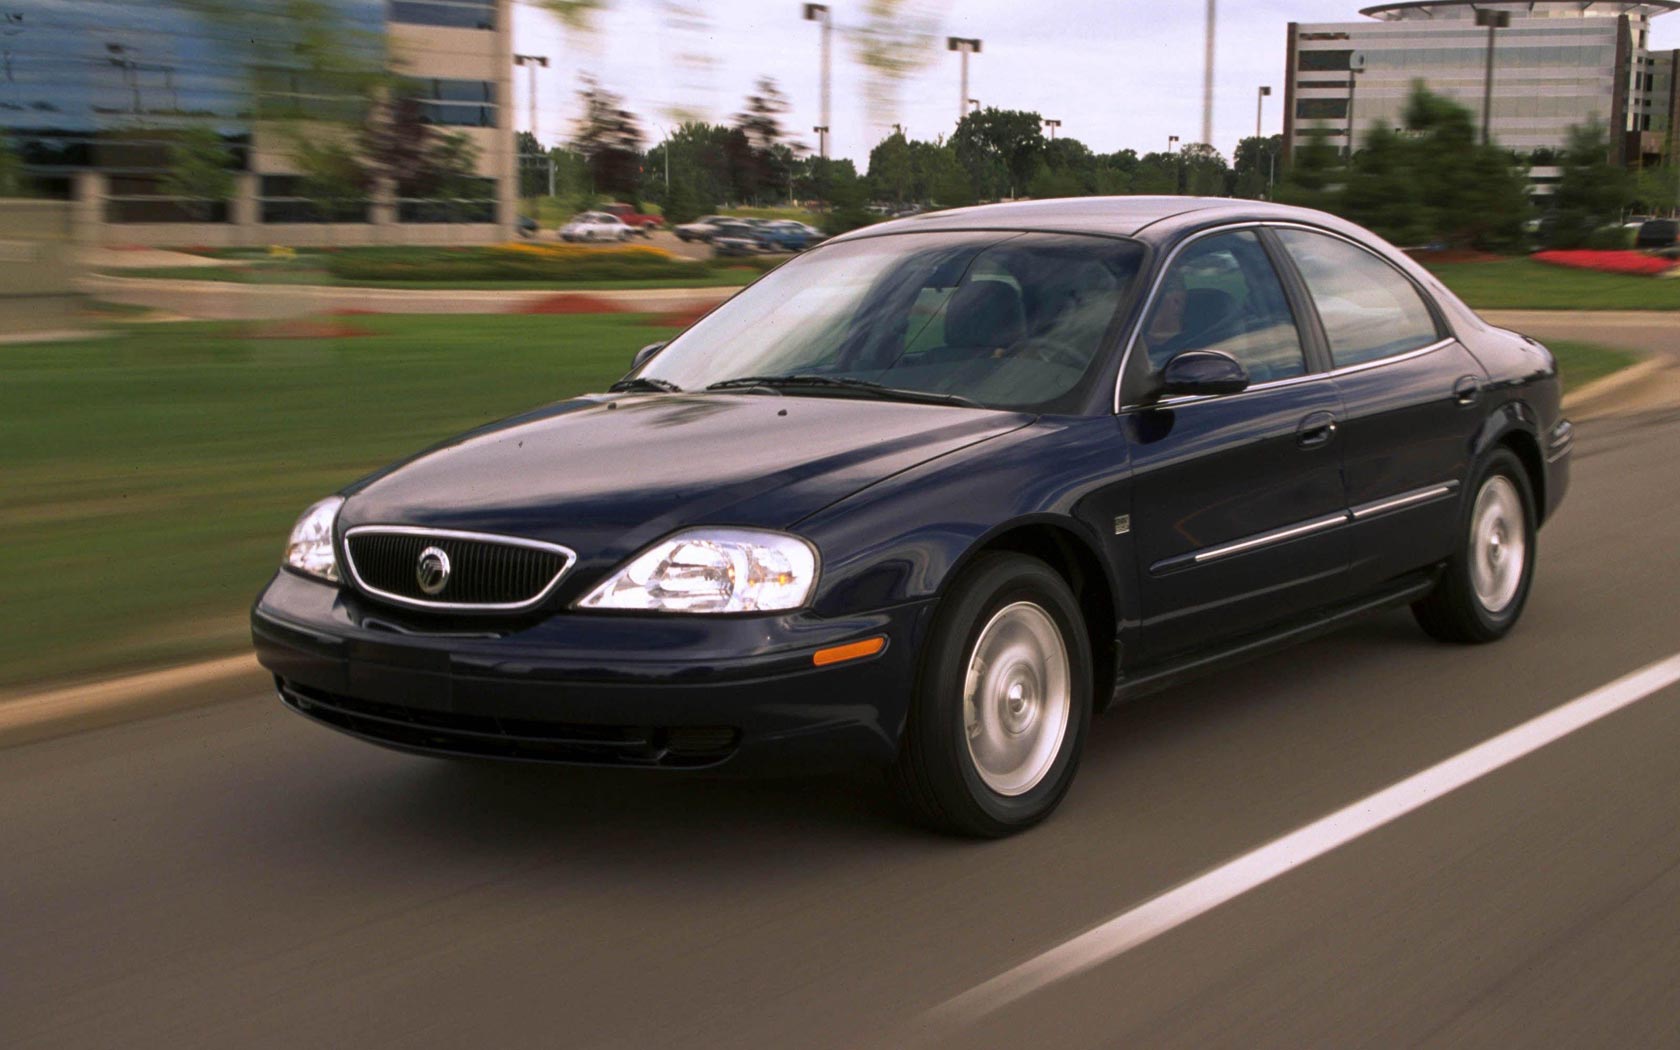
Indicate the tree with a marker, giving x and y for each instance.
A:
(1314, 173)
(534, 164)
(200, 170)
(11, 170)
(335, 181)
(767, 161)
(1254, 166)
(610, 140)
(1156, 173)
(1001, 148)
(1205, 170)
(892, 170)
(939, 176)
(1473, 195)
(1591, 191)
(1657, 189)
(1382, 190)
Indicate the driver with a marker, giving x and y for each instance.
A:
(1166, 335)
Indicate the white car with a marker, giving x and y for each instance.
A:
(595, 226)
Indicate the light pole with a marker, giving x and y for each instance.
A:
(531, 62)
(1052, 125)
(1495, 21)
(665, 141)
(821, 132)
(1207, 75)
(1356, 66)
(1172, 152)
(821, 13)
(966, 46)
(1260, 111)
(974, 104)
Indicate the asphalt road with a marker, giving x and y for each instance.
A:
(234, 876)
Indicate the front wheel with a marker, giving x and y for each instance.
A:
(1002, 704)
(1482, 593)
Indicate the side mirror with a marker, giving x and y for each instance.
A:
(1202, 373)
(645, 354)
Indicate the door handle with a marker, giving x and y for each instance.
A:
(1468, 390)
(1316, 430)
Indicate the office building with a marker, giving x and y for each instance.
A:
(98, 96)
(1556, 64)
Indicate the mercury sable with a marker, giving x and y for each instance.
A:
(930, 496)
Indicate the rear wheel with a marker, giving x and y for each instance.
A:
(1482, 593)
(1002, 703)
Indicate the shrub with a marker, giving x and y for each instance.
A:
(1622, 262)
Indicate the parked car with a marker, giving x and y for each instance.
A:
(786, 236)
(701, 229)
(639, 222)
(594, 226)
(931, 495)
(738, 238)
(1658, 234)
(527, 226)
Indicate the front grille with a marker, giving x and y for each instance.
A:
(441, 732)
(485, 572)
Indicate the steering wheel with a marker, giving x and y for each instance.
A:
(1050, 351)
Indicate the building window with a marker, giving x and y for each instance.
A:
(1306, 85)
(1324, 61)
(455, 103)
(1321, 109)
(451, 14)
(285, 199)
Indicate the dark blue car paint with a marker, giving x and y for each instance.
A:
(898, 498)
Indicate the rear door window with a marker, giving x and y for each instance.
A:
(1369, 309)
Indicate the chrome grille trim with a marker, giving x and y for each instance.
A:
(567, 555)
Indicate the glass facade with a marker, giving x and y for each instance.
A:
(118, 88)
(1558, 64)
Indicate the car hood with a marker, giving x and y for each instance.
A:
(606, 477)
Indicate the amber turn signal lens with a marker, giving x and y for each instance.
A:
(851, 651)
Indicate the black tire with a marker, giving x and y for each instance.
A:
(1453, 611)
(936, 775)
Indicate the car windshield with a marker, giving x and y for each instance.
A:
(1009, 321)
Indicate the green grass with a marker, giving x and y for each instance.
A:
(729, 277)
(1522, 284)
(1581, 363)
(151, 477)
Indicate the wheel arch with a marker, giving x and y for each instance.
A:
(1063, 545)
(1515, 426)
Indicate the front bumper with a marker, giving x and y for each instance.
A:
(668, 692)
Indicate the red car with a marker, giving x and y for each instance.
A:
(641, 222)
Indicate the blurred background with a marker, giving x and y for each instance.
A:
(251, 249)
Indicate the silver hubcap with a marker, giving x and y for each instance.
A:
(1016, 698)
(1498, 543)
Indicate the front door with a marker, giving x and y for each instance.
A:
(1239, 509)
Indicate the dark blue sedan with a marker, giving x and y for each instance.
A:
(933, 494)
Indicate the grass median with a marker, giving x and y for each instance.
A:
(1522, 284)
(151, 476)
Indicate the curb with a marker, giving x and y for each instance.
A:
(94, 705)
(1597, 398)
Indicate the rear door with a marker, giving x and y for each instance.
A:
(1412, 401)
(1239, 511)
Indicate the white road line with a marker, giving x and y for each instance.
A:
(1177, 906)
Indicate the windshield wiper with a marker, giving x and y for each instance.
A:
(839, 382)
(644, 383)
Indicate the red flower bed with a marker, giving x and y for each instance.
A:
(565, 303)
(1624, 262)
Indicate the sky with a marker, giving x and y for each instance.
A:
(1118, 73)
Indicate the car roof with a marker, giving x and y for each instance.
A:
(1148, 218)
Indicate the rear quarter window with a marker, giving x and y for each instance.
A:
(1369, 309)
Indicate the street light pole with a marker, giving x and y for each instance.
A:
(821, 13)
(1172, 151)
(1207, 74)
(531, 62)
(821, 131)
(1052, 125)
(1260, 111)
(965, 46)
(1356, 66)
(1495, 21)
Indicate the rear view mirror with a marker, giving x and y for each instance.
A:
(645, 354)
(1202, 373)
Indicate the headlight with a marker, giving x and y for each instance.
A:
(713, 571)
(310, 548)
